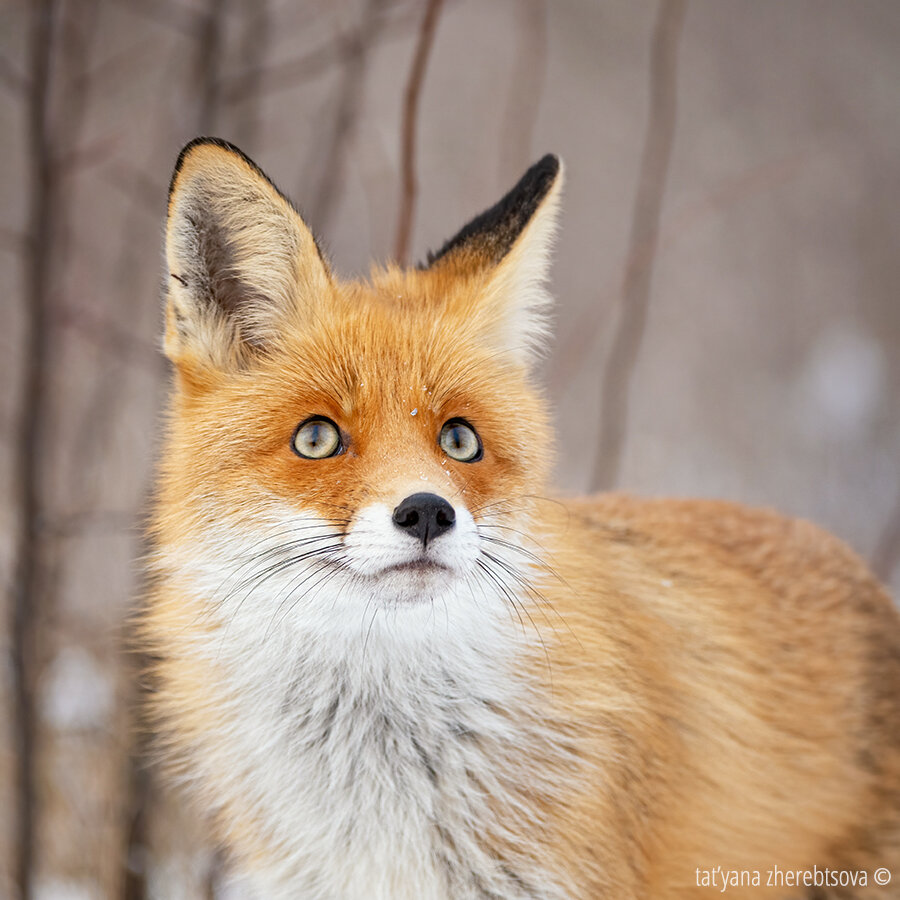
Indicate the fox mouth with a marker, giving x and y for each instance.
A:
(416, 565)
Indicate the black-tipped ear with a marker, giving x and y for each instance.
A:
(504, 254)
(240, 259)
(490, 236)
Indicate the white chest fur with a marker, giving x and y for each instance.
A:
(384, 779)
(382, 751)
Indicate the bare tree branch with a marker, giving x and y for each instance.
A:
(109, 336)
(121, 63)
(139, 788)
(284, 75)
(12, 240)
(77, 523)
(253, 49)
(138, 186)
(168, 13)
(729, 191)
(32, 406)
(343, 127)
(11, 78)
(77, 159)
(209, 64)
(409, 184)
(620, 364)
(526, 83)
(887, 549)
(288, 74)
(47, 132)
(68, 114)
(573, 346)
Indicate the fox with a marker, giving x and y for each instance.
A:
(390, 663)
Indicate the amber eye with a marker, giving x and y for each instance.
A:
(317, 438)
(460, 441)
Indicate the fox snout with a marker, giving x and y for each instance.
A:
(424, 517)
(388, 539)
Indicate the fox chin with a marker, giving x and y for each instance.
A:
(392, 665)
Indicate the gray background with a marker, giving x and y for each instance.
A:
(768, 371)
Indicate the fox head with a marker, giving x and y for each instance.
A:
(339, 448)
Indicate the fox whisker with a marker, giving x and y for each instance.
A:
(278, 549)
(484, 563)
(292, 590)
(281, 564)
(542, 601)
(516, 548)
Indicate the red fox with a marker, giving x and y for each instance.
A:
(394, 668)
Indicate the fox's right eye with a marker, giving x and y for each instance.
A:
(317, 438)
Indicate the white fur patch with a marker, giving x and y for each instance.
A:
(388, 719)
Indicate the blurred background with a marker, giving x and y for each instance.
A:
(728, 284)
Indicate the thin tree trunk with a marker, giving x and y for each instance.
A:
(253, 49)
(209, 57)
(355, 58)
(623, 356)
(32, 411)
(409, 183)
(528, 74)
(887, 549)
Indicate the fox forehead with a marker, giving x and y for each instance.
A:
(398, 348)
(368, 344)
(353, 363)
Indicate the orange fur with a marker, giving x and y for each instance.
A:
(725, 681)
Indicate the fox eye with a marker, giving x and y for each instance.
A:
(460, 441)
(317, 438)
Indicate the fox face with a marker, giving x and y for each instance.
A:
(361, 445)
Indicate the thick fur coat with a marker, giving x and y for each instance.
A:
(590, 699)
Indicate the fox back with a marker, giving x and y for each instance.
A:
(392, 665)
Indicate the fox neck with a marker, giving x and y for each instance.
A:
(407, 758)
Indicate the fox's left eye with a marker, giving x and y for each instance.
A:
(460, 441)
(317, 438)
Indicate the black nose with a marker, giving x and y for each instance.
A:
(424, 516)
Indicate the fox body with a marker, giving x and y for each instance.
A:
(392, 667)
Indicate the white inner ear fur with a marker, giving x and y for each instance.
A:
(516, 299)
(229, 231)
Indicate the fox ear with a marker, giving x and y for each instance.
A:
(240, 259)
(505, 253)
